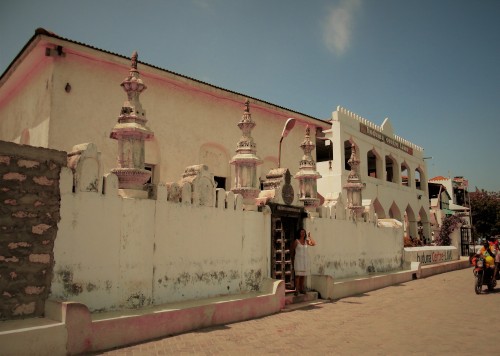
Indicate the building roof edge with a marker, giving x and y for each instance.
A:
(43, 32)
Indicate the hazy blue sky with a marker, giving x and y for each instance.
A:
(431, 66)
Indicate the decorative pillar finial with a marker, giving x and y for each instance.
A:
(245, 161)
(131, 132)
(134, 58)
(308, 175)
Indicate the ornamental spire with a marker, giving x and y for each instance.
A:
(131, 132)
(246, 125)
(308, 175)
(134, 60)
(354, 186)
(245, 161)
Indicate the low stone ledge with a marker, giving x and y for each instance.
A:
(70, 328)
(354, 286)
(34, 336)
(359, 285)
(110, 330)
(324, 285)
(444, 267)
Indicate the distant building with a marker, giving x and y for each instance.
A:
(457, 189)
(450, 196)
(393, 169)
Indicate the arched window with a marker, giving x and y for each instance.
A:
(424, 229)
(410, 223)
(391, 170)
(374, 162)
(405, 174)
(418, 178)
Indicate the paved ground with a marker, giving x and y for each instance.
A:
(438, 315)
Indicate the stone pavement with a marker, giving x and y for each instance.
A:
(438, 315)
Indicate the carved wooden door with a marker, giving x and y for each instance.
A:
(282, 237)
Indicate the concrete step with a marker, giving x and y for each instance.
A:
(291, 298)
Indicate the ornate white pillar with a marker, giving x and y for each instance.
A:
(131, 132)
(354, 187)
(307, 175)
(245, 161)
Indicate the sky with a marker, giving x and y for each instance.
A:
(431, 66)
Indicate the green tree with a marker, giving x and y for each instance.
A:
(485, 211)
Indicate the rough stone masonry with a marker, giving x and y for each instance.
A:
(29, 213)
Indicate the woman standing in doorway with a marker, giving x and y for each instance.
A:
(301, 259)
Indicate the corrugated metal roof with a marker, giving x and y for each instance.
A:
(438, 178)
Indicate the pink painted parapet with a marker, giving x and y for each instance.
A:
(114, 329)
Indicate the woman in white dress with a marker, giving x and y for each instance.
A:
(301, 259)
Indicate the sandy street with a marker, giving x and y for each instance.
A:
(439, 315)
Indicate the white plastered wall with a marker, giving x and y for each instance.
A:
(113, 253)
(348, 249)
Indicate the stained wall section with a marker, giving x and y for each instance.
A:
(115, 252)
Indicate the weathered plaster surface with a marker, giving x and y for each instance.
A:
(347, 249)
(147, 252)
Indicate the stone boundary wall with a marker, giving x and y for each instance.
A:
(29, 213)
(186, 241)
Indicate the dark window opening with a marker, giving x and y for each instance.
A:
(347, 155)
(372, 164)
(151, 168)
(220, 182)
(323, 150)
(389, 169)
(405, 175)
(418, 178)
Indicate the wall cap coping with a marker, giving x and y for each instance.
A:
(26, 151)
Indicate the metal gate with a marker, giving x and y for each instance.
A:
(466, 241)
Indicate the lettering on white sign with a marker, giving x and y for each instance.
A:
(434, 257)
(386, 139)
